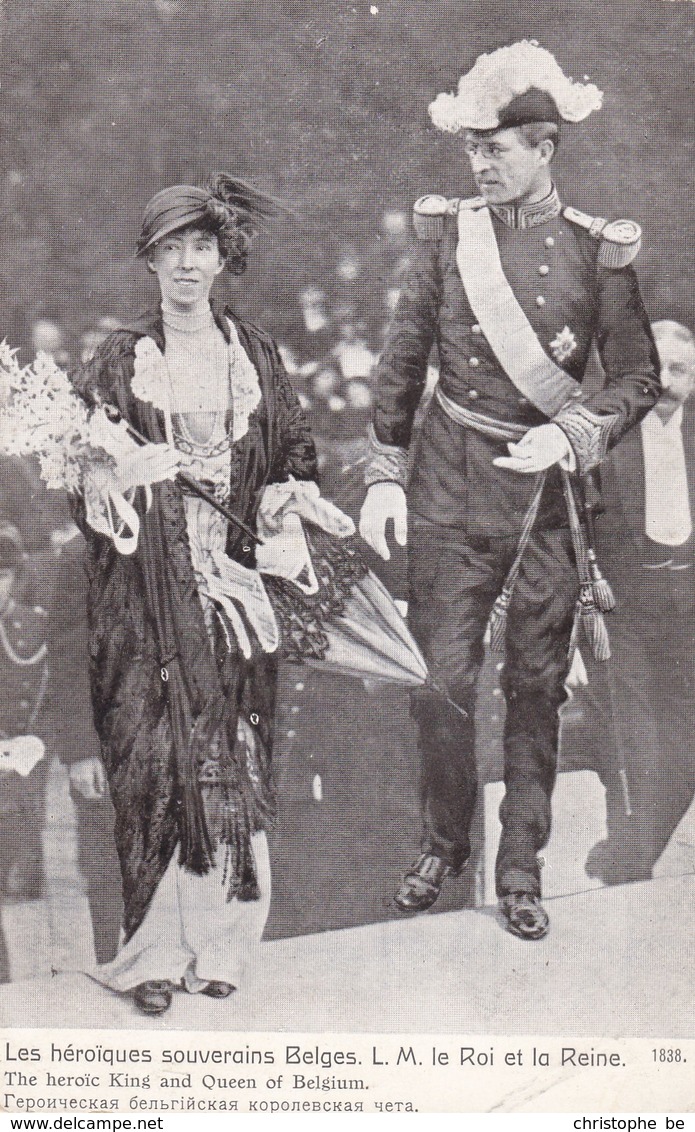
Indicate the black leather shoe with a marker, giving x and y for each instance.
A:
(154, 996)
(217, 989)
(422, 883)
(525, 915)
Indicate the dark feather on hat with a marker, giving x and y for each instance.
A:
(243, 198)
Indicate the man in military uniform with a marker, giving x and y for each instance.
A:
(67, 724)
(513, 287)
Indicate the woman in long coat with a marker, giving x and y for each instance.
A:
(183, 676)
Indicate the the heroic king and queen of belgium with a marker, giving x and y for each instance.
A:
(514, 287)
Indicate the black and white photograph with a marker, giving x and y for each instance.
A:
(347, 561)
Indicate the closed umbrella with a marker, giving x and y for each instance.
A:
(351, 625)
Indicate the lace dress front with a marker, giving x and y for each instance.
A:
(199, 412)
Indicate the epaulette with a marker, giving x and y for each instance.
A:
(471, 202)
(621, 240)
(428, 215)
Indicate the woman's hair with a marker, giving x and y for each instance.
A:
(226, 207)
(236, 212)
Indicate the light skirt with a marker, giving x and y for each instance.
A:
(191, 933)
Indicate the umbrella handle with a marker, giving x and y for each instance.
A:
(190, 484)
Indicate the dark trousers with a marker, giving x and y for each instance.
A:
(453, 582)
(98, 862)
(6, 861)
(22, 804)
(638, 712)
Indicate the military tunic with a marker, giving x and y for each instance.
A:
(23, 670)
(571, 301)
(466, 514)
(23, 681)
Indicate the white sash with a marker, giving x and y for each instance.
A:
(501, 319)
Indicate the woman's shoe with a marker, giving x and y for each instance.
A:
(218, 989)
(154, 996)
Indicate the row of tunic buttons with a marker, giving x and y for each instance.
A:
(544, 270)
(474, 362)
(316, 782)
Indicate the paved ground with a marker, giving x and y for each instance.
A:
(617, 963)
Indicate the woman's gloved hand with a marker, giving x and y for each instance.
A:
(303, 498)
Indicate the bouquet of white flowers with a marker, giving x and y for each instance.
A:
(46, 418)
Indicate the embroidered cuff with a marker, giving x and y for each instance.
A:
(587, 432)
(386, 463)
(568, 462)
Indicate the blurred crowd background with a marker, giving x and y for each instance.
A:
(325, 106)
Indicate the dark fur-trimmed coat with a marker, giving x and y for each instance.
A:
(161, 695)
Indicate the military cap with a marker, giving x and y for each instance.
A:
(512, 86)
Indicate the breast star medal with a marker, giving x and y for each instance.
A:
(563, 345)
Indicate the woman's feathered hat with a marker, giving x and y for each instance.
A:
(511, 86)
(223, 201)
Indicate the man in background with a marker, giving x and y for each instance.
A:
(69, 731)
(638, 728)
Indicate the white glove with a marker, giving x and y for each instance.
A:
(278, 498)
(286, 554)
(147, 464)
(302, 497)
(384, 501)
(541, 446)
(137, 465)
(326, 515)
(89, 778)
(109, 490)
(21, 754)
(284, 550)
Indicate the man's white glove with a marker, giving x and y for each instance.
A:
(541, 447)
(88, 778)
(384, 501)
